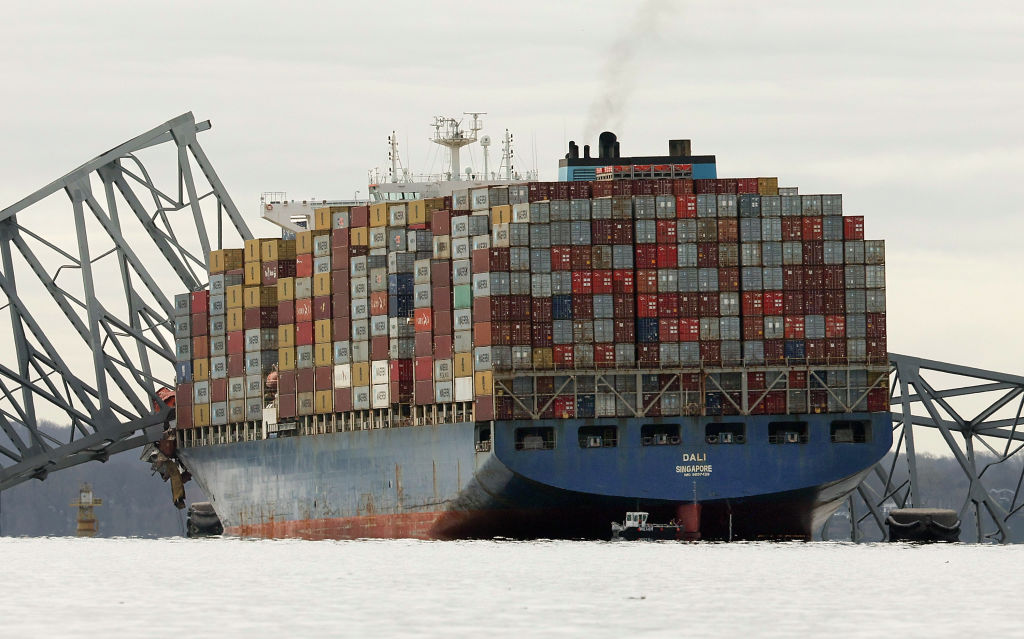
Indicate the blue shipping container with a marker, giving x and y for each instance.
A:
(647, 329)
(795, 349)
(561, 307)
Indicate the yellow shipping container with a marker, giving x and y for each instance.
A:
(543, 358)
(286, 336)
(252, 250)
(322, 331)
(322, 219)
(259, 296)
(323, 354)
(361, 374)
(463, 364)
(235, 319)
(253, 275)
(225, 260)
(379, 214)
(324, 402)
(304, 242)
(286, 359)
(275, 250)
(417, 211)
(321, 284)
(483, 383)
(234, 296)
(285, 289)
(501, 214)
(359, 236)
(200, 414)
(767, 186)
(200, 370)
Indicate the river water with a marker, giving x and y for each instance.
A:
(176, 588)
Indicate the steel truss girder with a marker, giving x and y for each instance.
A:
(98, 362)
(967, 407)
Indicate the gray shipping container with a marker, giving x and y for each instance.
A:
(834, 252)
(729, 303)
(666, 206)
(727, 205)
(707, 205)
(342, 352)
(561, 282)
(561, 234)
(561, 211)
(603, 307)
(732, 352)
(540, 260)
(461, 273)
(750, 229)
(874, 276)
(791, 205)
(856, 350)
(792, 253)
(771, 278)
(668, 280)
(750, 278)
(856, 325)
(771, 206)
(771, 253)
(855, 300)
(686, 255)
(832, 204)
(604, 330)
(753, 352)
(519, 283)
(774, 327)
(669, 353)
(579, 210)
(689, 280)
(601, 256)
(854, 250)
(710, 328)
(686, 231)
(814, 326)
(482, 358)
(644, 207)
(771, 229)
(689, 353)
(749, 205)
(561, 331)
(832, 228)
(622, 256)
(729, 327)
(540, 212)
(625, 354)
(810, 205)
(540, 236)
(645, 231)
(601, 208)
(583, 331)
(854, 276)
(519, 258)
(540, 284)
(360, 333)
(420, 296)
(579, 233)
(874, 251)
(519, 234)
(874, 300)
(750, 254)
(707, 279)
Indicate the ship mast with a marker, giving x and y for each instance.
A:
(448, 133)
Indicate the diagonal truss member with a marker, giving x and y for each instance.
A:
(84, 282)
(977, 415)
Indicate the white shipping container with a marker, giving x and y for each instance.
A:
(201, 392)
(521, 213)
(361, 398)
(360, 308)
(236, 388)
(219, 413)
(443, 392)
(443, 370)
(378, 326)
(463, 342)
(254, 386)
(478, 242)
(479, 200)
(342, 375)
(379, 237)
(442, 247)
(397, 215)
(500, 236)
(463, 389)
(381, 395)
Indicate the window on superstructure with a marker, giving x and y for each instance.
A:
(787, 433)
(535, 438)
(725, 433)
(598, 436)
(659, 435)
(850, 432)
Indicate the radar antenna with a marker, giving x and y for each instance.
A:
(448, 133)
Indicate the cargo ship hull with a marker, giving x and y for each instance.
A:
(457, 481)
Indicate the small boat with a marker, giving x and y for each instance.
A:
(636, 527)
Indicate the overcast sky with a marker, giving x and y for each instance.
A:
(911, 109)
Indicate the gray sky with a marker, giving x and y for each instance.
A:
(910, 109)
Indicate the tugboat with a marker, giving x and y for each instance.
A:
(636, 527)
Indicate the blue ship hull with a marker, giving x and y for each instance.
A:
(438, 482)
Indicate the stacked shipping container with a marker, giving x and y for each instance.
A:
(425, 302)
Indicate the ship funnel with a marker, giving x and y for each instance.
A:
(607, 147)
(574, 150)
(679, 148)
(586, 150)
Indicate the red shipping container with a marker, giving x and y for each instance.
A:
(756, 381)
(443, 323)
(219, 390)
(341, 304)
(323, 377)
(726, 185)
(601, 232)
(340, 237)
(423, 392)
(259, 318)
(339, 263)
(646, 256)
(798, 379)
(285, 312)
(582, 256)
(774, 351)
(562, 354)
(835, 326)
(342, 400)
(583, 307)
(538, 191)
(682, 186)
(876, 350)
(304, 265)
(339, 281)
(541, 335)
(423, 320)
(668, 329)
(604, 282)
(200, 324)
(519, 333)
(484, 408)
(561, 258)
(358, 251)
(705, 186)
(441, 298)
(814, 278)
(835, 278)
(814, 302)
(814, 253)
(441, 274)
(483, 333)
(792, 278)
(624, 331)
(482, 308)
(775, 403)
(236, 365)
(441, 223)
(304, 333)
(236, 342)
(624, 281)
(835, 350)
(582, 282)
(341, 329)
(648, 355)
(728, 229)
(729, 279)
(423, 368)
(579, 190)
(686, 206)
(424, 344)
(519, 307)
(689, 305)
(711, 352)
(359, 216)
(200, 347)
(793, 326)
(286, 382)
(708, 305)
(753, 303)
(379, 347)
(305, 380)
(647, 281)
(604, 355)
(811, 228)
(689, 329)
(304, 310)
(443, 347)
(835, 302)
(183, 415)
(792, 303)
(668, 255)
(560, 190)
(199, 302)
(753, 328)
(876, 325)
(565, 406)
(622, 232)
(878, 400)
(853, 227)
(541, 309)
(773, 302)
(646, 305)
(792, 229)
(817, 351)
(322, 307)
(707, 254)
(643, 187)
(668, 305)
(666, 232)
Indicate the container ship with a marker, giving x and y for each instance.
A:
(523, 359)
